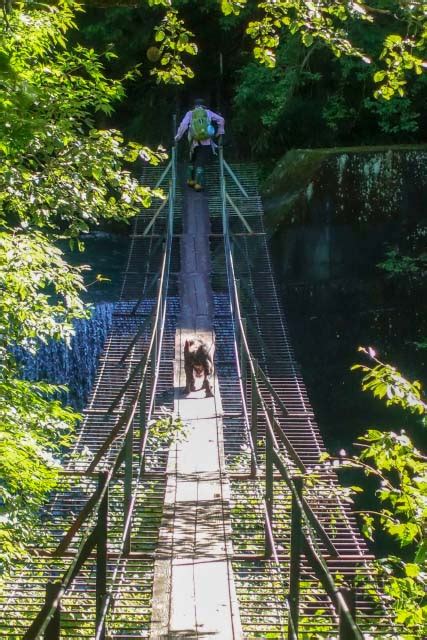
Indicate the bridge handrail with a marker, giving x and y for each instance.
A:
(96, 531)
(307, 517)
(256, 373)
(162, 303)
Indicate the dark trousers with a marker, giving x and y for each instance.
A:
(201, 155)
(199, 159)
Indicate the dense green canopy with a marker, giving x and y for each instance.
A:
(59, 175)
(311, 74)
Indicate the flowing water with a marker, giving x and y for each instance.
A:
(75, 366)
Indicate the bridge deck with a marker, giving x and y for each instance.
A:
(193, 592)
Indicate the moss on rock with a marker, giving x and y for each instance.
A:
(349, 184)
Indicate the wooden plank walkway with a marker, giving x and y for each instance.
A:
(193, 592)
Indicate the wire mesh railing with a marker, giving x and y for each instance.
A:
(307, 532)
(94, 514)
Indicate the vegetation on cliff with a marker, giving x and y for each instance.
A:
(399, 471)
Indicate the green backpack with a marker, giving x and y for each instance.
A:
(200, 125)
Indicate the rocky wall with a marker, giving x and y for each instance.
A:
(333, 212)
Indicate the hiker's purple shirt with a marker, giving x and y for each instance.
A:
(215, 117)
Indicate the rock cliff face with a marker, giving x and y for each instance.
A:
(332, 210)
(333, 214)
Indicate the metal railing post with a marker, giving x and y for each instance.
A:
(254, 418)
(223, 192)
(173, 192)
(171, 207)
(237, 289)
(53, 629)
(101, 552)
(345, 630)
(128, 486)
(153, 357)
(295, 559)
(243, 357)
(156, 324)
(142, 422)
(269, 492)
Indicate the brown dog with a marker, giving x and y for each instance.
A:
(198, 362)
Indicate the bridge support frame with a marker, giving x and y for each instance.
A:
(127, 502)
(53, 629)
(243, 358)
(269, 494)
(345, 631)
(143, 423)
(254, 418)
(295, 557)
(101, 554)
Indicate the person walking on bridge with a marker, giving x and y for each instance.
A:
(198, 123)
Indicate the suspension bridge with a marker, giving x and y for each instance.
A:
(236, 531)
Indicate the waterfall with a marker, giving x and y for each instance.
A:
(73, 366)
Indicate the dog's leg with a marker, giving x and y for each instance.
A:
(189, 377)
(207, 383)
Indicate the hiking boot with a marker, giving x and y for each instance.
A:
(190, 176)
(200, 179)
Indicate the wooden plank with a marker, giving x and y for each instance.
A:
(194, 594)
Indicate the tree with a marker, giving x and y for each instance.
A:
(310, 97)
(400, 473)
(59, 176)
(270, 21)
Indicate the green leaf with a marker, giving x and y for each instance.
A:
(160, 36)
(379, 76)
(421, 555)
(307, 39)
(412, 570)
